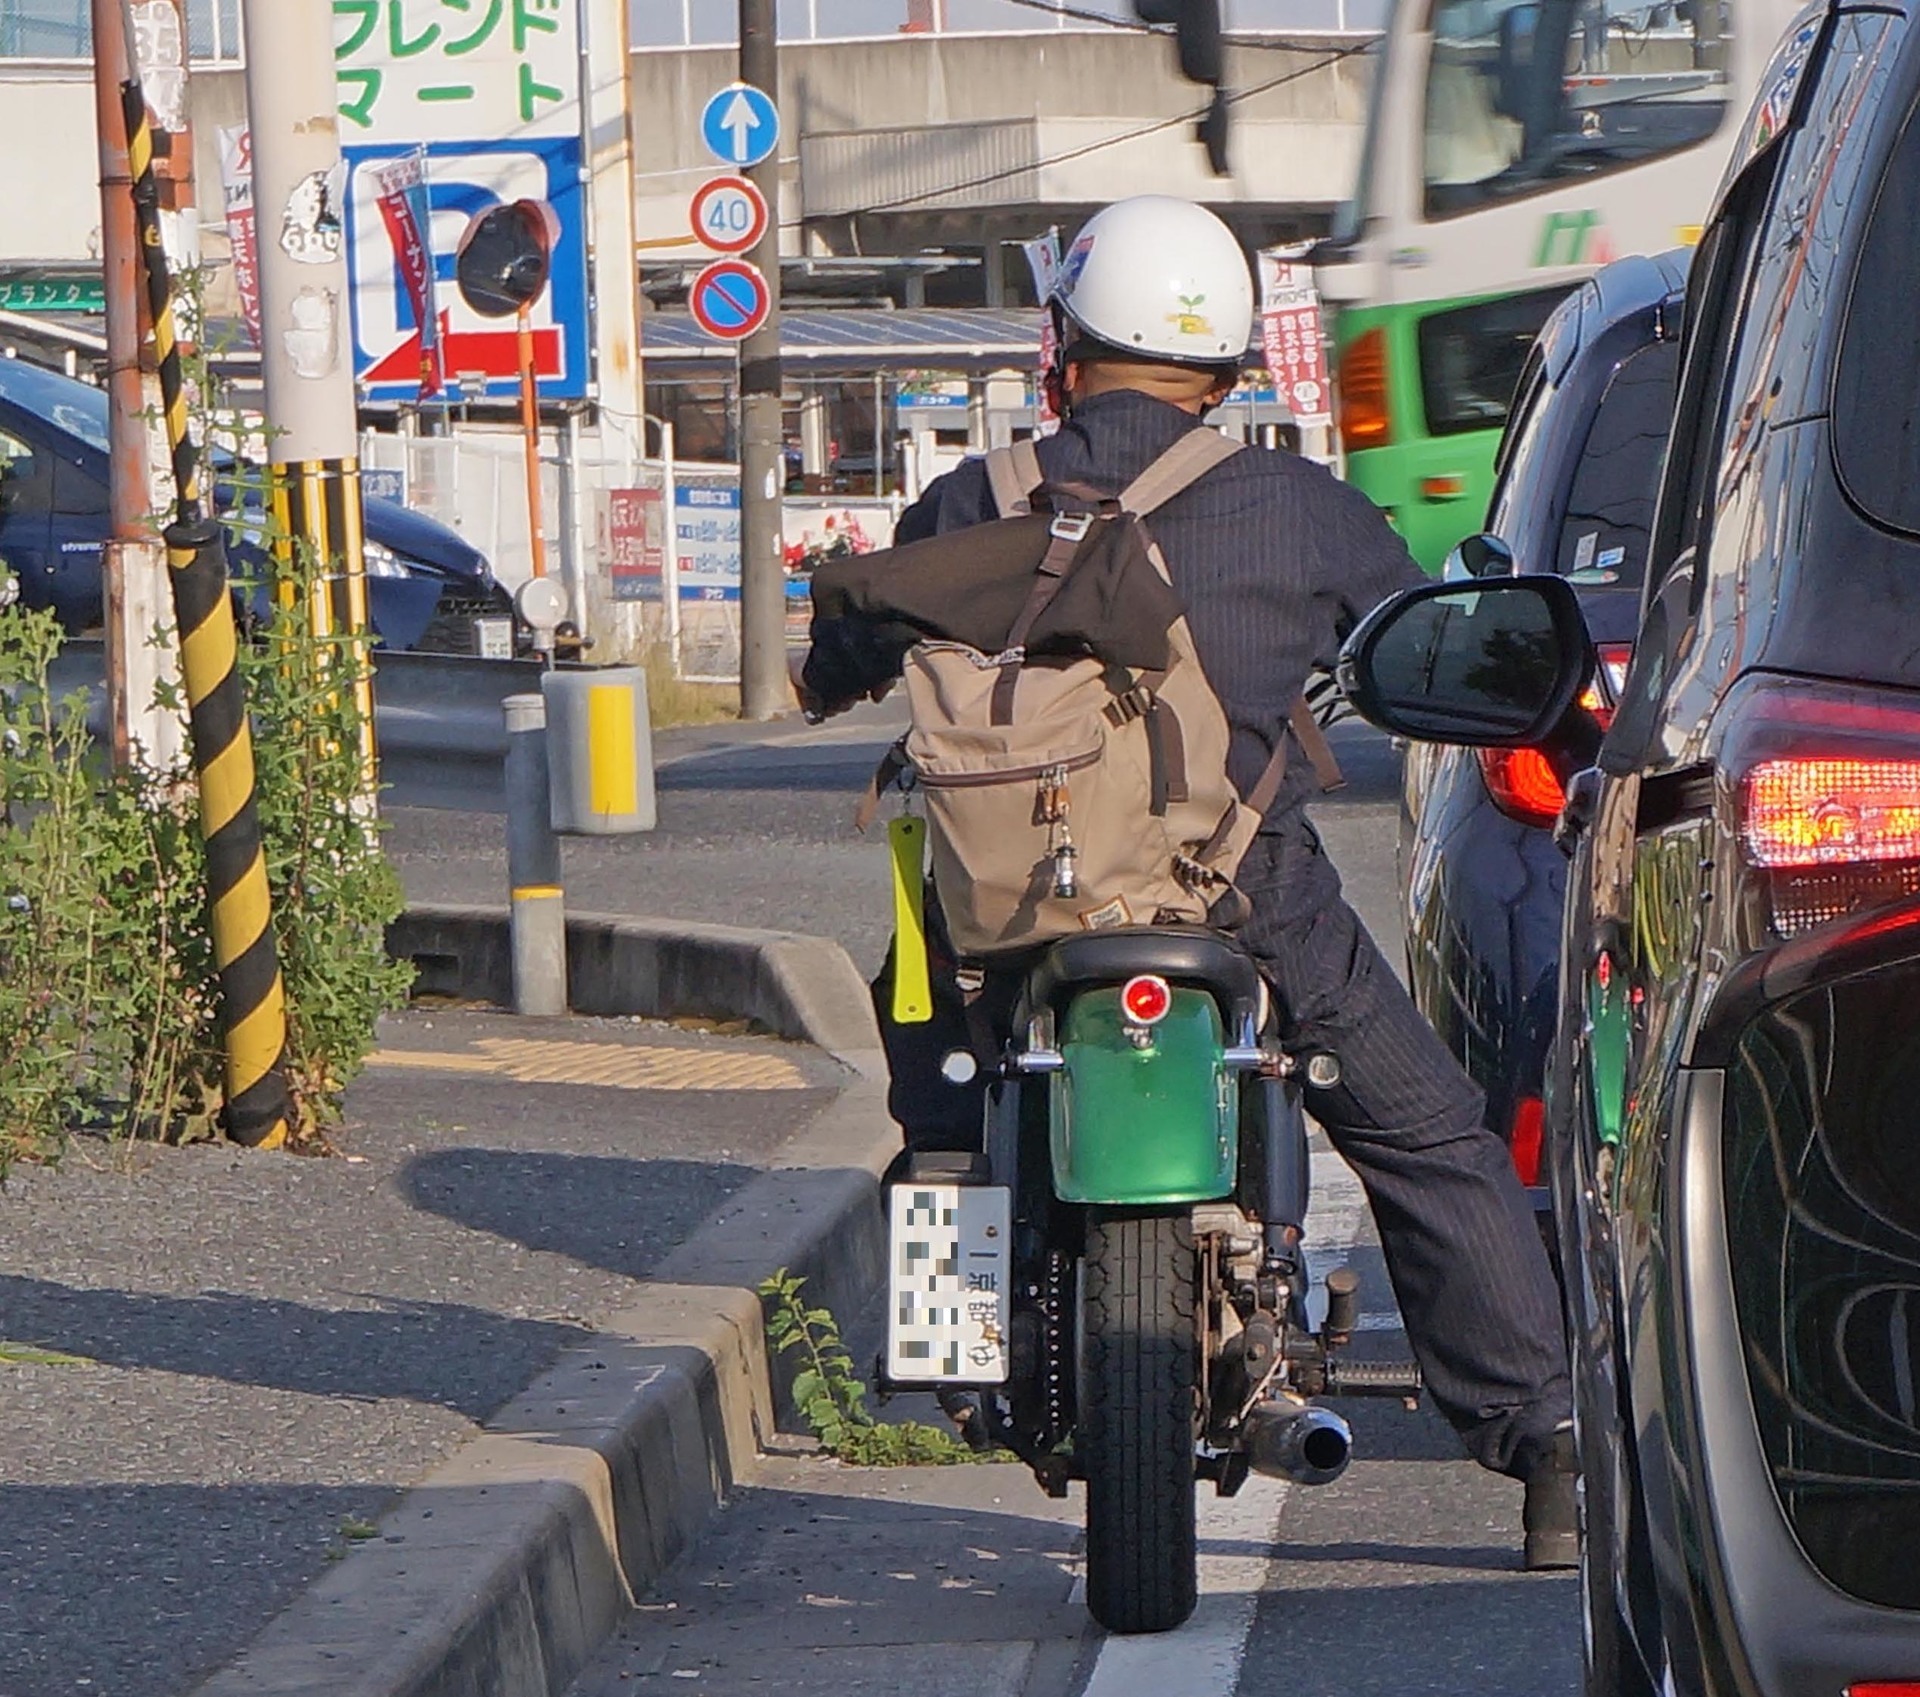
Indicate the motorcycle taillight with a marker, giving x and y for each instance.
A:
(1827, 788)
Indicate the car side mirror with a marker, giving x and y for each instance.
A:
(1484, 555)
(1493, 663)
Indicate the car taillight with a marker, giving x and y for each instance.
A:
(1366, 420)
(1521, 782)
(1825, 812)
(1146, 1000)
(1827, 786)
(1528, 1134)
(1886, 1688)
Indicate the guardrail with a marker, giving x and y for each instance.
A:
(437, 719)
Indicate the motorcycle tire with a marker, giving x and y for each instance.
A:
(1139, 1349)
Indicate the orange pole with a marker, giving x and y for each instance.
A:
(530, 429)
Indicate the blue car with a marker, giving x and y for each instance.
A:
(1577, 472)
(424, 581)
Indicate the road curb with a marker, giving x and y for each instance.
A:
(503, 1571)
(801, 987)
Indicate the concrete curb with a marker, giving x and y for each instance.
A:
(503, 1571)
(800, 987)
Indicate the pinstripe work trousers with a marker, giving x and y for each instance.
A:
(1470, 1275)
(1469, 1272)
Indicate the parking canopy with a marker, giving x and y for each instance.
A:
(857, 341)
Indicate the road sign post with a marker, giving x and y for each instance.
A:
(741, 126)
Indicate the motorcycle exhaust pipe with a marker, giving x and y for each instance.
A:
(1297, 1441)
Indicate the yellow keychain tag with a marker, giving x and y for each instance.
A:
(912, 988)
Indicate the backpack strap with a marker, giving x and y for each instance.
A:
(1181, 466)
(1013, 473)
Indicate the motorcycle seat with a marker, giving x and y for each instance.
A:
(1182, 954)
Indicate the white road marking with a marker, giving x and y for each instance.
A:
(1202, 1658)
(1237, 1534)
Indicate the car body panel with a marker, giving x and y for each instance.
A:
(58, 562)
(1483, 892)
(1765, 574)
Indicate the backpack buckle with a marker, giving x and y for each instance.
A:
(1071, 527)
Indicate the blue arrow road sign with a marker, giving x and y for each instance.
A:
(740, 125)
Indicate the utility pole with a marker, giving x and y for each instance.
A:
(133, 564)
(763, 585)
(299, 190)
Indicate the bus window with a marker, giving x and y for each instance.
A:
(1470, 358)
(1525, 94)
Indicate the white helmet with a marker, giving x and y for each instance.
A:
(1162, 277)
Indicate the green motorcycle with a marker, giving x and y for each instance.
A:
(1116, 1290)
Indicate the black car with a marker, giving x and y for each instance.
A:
(424, 581)
(1575, 479)
(1734, 1095)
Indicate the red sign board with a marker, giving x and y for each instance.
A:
(1290, 333)
(637, 543)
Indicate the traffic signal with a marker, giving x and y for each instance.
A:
(1196, 26)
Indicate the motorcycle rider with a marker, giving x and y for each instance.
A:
(1275, 560)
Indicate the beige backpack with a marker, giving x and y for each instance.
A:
(1063, 792)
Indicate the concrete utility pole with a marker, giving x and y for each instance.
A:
(133, 564)
(306, 360)
(763, 586)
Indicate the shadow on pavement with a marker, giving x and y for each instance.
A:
(425, 1352)
(600, 1210)
(124, 1589)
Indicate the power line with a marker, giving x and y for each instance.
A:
(1192, 117)
(1260, 43)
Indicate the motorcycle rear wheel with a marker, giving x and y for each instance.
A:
(1139, 1299)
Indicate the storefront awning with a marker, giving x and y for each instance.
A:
(856, 342)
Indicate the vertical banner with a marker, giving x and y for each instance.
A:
(637, 543)
(243, 236)
(1043, 259)
(401, 188)
(1290, 332)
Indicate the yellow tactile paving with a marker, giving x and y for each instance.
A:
(619, 1066)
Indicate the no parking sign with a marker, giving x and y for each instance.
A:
(730, 299)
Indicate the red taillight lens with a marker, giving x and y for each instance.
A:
(1529, 1133)
(1146, 1000)
(1366, 421)
(1831, 812)
(1522, 784)
(1886, 1688)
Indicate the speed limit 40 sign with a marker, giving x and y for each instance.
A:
(729, 214)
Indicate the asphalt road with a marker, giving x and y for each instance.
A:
(1402, 1578)
(215, 1365)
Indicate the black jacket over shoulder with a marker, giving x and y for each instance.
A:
(1275, 558)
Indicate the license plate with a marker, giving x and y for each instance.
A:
(948, 1302)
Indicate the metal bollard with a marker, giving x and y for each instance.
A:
(539, 912)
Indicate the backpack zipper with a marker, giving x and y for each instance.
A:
(1007, 775)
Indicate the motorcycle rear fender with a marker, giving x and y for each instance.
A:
(1141, 1124)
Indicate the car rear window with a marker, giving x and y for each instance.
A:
(1876, 400)
(1470, 358)
(1610, 507)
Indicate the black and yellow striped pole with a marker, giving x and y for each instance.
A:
(253, 1003)
(252, 999)
(316, 504)
(153, 261)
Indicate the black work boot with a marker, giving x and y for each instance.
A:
(1552, 1513)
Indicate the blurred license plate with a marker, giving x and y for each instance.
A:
(948, 1298)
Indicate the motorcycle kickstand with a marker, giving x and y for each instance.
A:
(1051, 1470)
